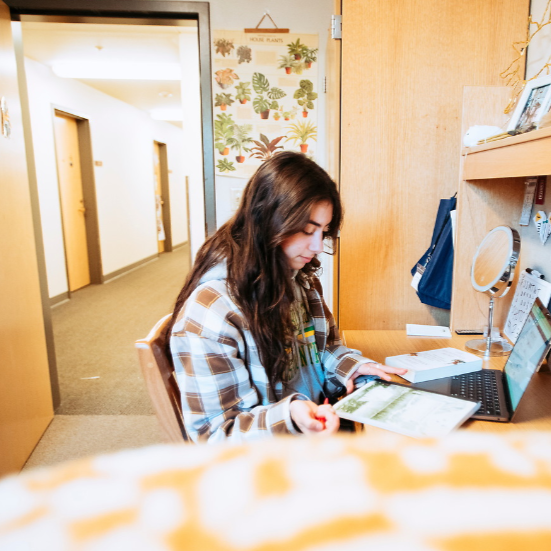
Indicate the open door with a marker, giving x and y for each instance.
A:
(73, 209)
(162, 198)
(26, 406)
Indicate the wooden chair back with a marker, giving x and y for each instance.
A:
(161, 383)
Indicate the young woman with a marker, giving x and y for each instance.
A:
(255, 348)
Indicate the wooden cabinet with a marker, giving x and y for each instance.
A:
(404, 67)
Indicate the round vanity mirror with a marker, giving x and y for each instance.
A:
(492, 273)
(495, 260)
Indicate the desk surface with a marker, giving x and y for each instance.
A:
(534, 410)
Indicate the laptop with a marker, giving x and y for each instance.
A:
(500, 392)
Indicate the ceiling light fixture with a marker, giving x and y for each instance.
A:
(117, 70)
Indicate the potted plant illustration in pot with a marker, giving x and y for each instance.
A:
(224, 165)
(223, 132)
(243, 92)
(244, 53)
(287, 62)
(265, 148)
(297, 49)
(223, 46)
(225, 77)
(289, 114)
(305, 96)
(241, 137)
(300, 132)
(310, 56)
(262, 103)
(223, 100)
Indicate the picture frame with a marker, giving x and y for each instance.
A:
(533, 104)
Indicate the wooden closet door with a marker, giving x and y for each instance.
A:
(404, 66)
(25, 396)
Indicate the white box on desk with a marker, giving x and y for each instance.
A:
(435, 364)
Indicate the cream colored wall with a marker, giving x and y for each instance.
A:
(122, 139)
(539, 51)
(192, 151)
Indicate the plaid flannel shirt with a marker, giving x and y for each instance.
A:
(225, 389)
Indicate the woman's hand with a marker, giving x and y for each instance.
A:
(313, 419)
(373, 368)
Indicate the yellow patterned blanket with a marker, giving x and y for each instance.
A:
(469, 491)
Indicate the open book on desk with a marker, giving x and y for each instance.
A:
(409, 411)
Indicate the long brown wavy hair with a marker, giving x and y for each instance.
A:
(276, 204)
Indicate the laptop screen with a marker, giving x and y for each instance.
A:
(529, 351)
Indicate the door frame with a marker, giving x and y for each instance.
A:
(91, 220)
(165, 194)
(144, 12)
(157, 11)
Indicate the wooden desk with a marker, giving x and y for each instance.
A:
(535, 406)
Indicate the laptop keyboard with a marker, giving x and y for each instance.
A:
(479, 386)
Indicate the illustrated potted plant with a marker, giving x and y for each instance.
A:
(224, 165)
(301, 132)
(223, 46)
(244, 54)
(243, 92)
(265, 148)
(262, 103)
(310, 56)
(225, 78)
(297, 49)
(289, 114)
(241, 137)
(223, 100)
(299, 67)
(305, 96)
(287, 62)
(223, 132)
(277, 115)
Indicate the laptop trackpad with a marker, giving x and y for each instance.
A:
(443, 385)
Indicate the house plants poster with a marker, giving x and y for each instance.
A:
(265, 98)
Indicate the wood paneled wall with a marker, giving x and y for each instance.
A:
(404, 67)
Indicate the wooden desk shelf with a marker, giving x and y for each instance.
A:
(490, 194)
(525, 155)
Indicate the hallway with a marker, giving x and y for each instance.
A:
(104, 403)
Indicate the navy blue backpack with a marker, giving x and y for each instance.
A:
(435, 286)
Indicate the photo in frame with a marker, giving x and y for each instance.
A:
(533, 104)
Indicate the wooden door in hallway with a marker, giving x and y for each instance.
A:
(73, 209)
(159, 202)
(26, 399)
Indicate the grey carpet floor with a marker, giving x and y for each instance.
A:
(74, 436)
(94, 336)
(105, 406)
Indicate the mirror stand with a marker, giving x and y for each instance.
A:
(486, 346)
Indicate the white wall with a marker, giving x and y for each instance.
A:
(122, 139)
(192, 151)
(539, 51)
